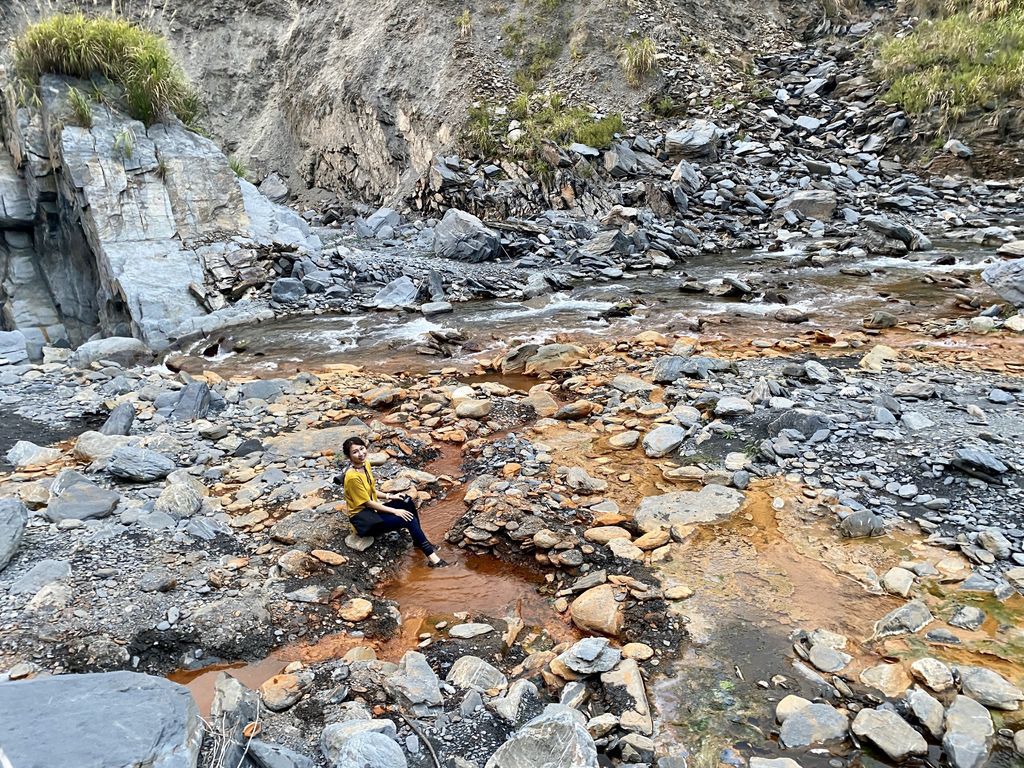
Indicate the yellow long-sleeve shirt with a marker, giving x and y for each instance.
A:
(360, 487)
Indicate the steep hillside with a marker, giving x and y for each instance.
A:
(356, 98)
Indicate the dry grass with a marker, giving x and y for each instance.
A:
(638, 59)
(957, 64)
(138, 60)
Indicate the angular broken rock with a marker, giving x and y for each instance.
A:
(911, 617)
(474, 672)
(139, 464)
(626, 683)
(551, 740)
(890, 733)
(590, 656)
(933, 673)
(989, 688)
(969, 732)
(928, 711)
(710, 504)
(66, 720)
(13, 518)
(415, 685)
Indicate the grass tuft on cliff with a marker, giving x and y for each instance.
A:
(541, 118)
(971, 59)
(138, 60)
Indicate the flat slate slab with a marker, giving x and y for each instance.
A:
(99, 721)
(710, 504)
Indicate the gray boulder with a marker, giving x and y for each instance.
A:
(414, 684)
(39, 575)
(139, 465)
(363, 743)
(98, 721)
(688, 177)
(13, 517)
(25, 454)
(817, 204)
(591, 656)
(700, 139)
(1006, 278)
(890, 733)
(861, 524)
(989, 688)
(194, 402)
(287, 290)
(274, 188)
(265, 755)
(663, 439)
(82, 500)
(463, 237)
(234, 706)
(122, 350)
(400, 292)
(911, 617)
(120, 420)
(813, 724)
(553, 740)
(474, 672)
(13, 347)
(910, 237)
(969, 733)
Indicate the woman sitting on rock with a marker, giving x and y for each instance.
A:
(369, 517)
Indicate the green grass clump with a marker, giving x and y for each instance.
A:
(241, 169)
(138, 60)
(638, 59)
(956, 64)
(542, 118)
(81, 107)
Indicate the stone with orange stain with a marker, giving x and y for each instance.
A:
(297, 563)
(652, 540)
(890, 679)
(282, 691)
(602, 534)
(356, 609)
(609, 518)
(597, 610)
(511, 469)
(328, 557)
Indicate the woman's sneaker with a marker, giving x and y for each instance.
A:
(442, 563)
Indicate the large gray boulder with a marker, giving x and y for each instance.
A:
(414, 684)
(1007, 279)
(890, 733)
(400, 292)
(817, 204)
(369, 750)
(99, 721)
(699, 139)
(990, 688)
(13, 346)
(463, 237)
(13, 517)
(552, 740)
(82, 501)
(969, 732)
(139, 465)
(119, 349)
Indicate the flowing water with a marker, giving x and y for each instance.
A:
(911, 289)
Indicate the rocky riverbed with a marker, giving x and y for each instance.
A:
(808, 546)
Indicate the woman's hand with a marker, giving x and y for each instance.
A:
(402, 513)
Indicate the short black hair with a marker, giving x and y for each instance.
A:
(347, 445)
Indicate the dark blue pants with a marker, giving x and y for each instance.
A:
(389, 522)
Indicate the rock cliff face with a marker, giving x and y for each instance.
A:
(359, 98)
(121, 230)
